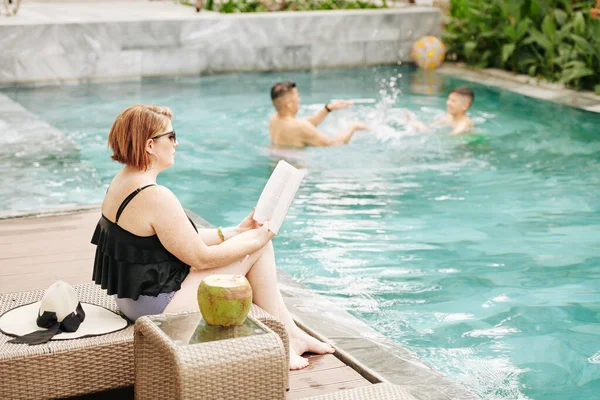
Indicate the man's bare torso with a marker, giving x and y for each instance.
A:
(285, 132)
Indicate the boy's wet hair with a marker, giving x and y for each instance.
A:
(465, 91)
(280, 89)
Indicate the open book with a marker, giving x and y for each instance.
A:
(277, 196)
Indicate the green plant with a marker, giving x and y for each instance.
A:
(237, 6)
(553, 39)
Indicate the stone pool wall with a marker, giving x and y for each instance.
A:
(48, 50)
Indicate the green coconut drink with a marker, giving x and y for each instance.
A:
(225, 299)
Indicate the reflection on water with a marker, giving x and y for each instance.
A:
(477, 252)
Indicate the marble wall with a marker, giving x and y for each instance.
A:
(210, 42)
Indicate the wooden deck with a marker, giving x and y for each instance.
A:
(34, 252)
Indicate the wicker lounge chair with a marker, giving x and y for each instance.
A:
(63, 368)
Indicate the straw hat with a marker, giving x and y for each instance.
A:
(61, 316)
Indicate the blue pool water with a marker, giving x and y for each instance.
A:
(479, 253)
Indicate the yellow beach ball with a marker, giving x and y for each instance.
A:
(428, 52)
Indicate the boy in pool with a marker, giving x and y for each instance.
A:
(459, 101)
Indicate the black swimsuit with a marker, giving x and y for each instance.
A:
(129, 265)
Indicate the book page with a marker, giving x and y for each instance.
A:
(277, 195)
(285, 201)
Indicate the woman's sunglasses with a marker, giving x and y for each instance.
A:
(172, 135)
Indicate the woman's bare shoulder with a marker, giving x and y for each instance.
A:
(164, 192)
(150, 197)
(160, 198)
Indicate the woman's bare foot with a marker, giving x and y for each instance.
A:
(302, 343)
(296, 361)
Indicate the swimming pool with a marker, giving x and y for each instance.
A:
(479, 253)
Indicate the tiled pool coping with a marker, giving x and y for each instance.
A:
(525, 85)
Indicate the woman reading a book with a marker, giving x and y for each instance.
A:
(149, 253)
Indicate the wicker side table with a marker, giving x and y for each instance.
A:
(178, 356)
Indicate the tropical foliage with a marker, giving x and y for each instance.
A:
(557, 40)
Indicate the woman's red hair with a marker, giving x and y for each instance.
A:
(132, 129)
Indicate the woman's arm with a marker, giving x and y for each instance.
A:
(210, 236)
(179, 237)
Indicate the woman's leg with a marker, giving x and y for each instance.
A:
(263, 278)
(261, 272)
(186, 298)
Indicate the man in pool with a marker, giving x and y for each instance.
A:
(288, 131)
(459, 101)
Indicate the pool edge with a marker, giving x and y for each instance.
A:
(524, 85)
